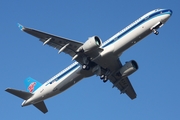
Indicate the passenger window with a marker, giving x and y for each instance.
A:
(146, 17)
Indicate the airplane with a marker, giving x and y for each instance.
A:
(91, 58)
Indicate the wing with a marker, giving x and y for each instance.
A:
(61, 44)
(124, 84)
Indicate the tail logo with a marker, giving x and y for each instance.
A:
(31, 87)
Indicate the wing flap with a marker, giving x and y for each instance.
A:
(125, 86)
(130, 90)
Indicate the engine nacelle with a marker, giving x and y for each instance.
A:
(92, 44)
(129, 68)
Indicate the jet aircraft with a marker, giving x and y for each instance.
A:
(92, 58)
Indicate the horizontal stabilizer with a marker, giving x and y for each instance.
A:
(19, 93)
(41, 106)
(20, 26)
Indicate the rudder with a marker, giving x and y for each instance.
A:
(31, 84)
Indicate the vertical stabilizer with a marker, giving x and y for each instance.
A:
(31, 84)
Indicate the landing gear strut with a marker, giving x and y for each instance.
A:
(155, 31)
(86, 65)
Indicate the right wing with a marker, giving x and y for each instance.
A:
(61, 44)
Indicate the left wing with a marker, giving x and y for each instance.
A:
(123, 84)
(61, 44)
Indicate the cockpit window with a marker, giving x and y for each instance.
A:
(157, 9)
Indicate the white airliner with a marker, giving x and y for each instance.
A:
(92, 58)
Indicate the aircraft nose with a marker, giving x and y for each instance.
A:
(170, 11)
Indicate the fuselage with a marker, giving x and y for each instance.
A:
(113, 47)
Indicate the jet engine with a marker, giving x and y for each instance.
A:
(129, 68)
(92, 44)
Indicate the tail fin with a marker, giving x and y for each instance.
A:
(26, 95)
(31, 84)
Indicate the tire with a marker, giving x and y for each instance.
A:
(102, 77)
(85, 67)
(157, 33)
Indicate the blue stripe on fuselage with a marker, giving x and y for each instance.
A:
(63, 74)
(145, 19)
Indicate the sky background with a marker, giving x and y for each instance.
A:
(156, 82)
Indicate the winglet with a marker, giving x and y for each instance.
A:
(20, 26)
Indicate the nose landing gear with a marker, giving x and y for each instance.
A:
(155, 31)
(155, 27)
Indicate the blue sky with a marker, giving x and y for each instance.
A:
(156, 82)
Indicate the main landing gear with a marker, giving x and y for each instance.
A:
(97, 70)
(85, 67)
(104, 78)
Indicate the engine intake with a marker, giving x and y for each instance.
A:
(129, 68)
(92, 44)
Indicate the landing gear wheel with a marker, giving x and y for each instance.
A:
(155, 32)
(85, 67)
(104, 78)
(105, 81)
